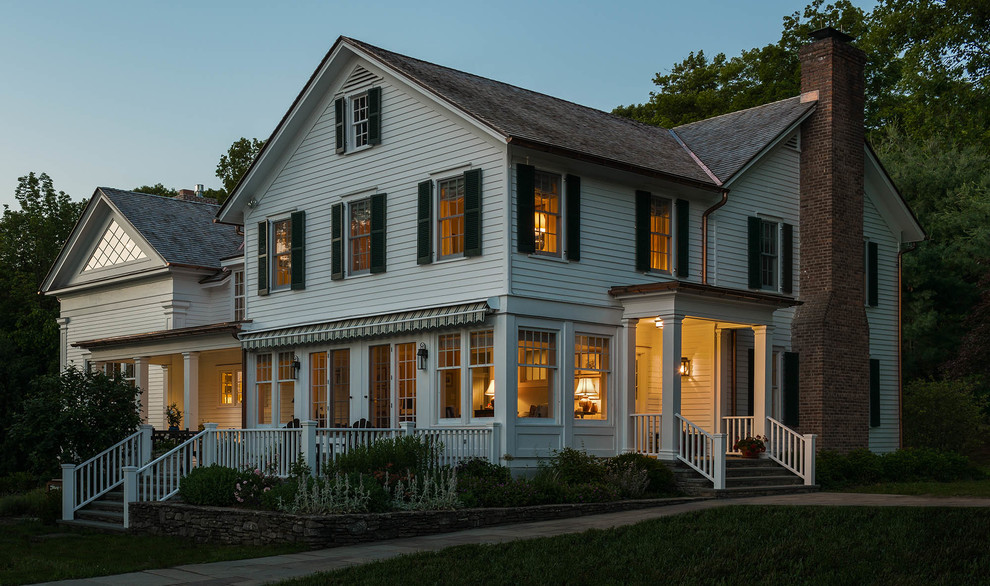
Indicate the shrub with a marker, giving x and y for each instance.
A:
(399, 455)
(252, 486)
(862, 467)
(18, 482)
(70, 418)
(483, 492)
(944, 415)
(661, 478)
(482, 469)
(628, 480)
(427, 492)
(210, 486)
(39, 502)
(570, 466)
(590, 492)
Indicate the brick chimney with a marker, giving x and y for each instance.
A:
(830, 331)
(190, 194)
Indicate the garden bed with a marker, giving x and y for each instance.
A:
(251, 527)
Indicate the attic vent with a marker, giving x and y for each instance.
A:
(794, 142)
(359, 77)
(115, 248)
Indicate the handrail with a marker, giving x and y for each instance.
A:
(702, 451)
(104, 471)
(646, 433)
(791, 450)
(158, 480)
(736, 427)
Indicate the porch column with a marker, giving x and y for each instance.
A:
(762, 371)
(626, 395)
(141, 382)
(190, 389)
(63, 343)
(670, 377)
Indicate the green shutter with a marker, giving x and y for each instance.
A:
(378, 220)
(525, 208)
(873, 273)
(750, 381)
(340, 124)
(573, 211)
(874, 392)
(787, 258)
(791, 388)
(683, 248)
(755, 278)
(472, 212)
(375, 118)
(424, 224)
(337, 241)
(263, 258)
(644, 200)
(298, 250)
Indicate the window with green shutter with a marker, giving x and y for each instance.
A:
(337, 241)
(378, 221)
(375, 116)
(644, 214)
(573, 217)
(683, 238)
(472, 212)
(358, 120)
(340, 124)
(771, 255)
(872, 274)
(525, 208)
(424, 223)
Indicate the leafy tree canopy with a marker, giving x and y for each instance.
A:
(238, 159)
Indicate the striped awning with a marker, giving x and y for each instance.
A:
(367, 327)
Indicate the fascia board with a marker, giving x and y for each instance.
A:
(889, 201)
(770, 146)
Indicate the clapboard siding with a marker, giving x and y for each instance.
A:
(418, 142)
(120, 311)
(698, 390)
(607, 247)
(883, 328)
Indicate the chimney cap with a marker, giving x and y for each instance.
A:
(829, 32)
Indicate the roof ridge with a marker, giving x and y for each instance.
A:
(735, 112)
(164, 197)
(520, 88)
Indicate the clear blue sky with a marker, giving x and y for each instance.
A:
(126, 93)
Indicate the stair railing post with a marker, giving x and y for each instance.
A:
(209, 445)
(68, 491)
(145, 455)
(408, 427)
(130, 492)
(810, 440)
(309, 448)
(496, 453)
(719, 445)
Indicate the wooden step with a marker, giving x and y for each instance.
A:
(104, 516)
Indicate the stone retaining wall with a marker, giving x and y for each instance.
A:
(248, 527)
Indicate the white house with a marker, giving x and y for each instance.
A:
(424, 245)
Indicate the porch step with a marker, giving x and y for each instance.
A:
(94, 525)
(743, 477)
(103, 515)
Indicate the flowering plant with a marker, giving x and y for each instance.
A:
(752, 444)
(253, 484)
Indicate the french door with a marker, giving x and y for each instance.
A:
(387, 391)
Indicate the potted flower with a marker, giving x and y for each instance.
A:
(173, 417)
(751, 446)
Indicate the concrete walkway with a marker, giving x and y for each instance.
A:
(282, 567)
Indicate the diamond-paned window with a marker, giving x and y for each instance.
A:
(115, 248)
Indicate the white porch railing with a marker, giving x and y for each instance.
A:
(331, 443)
(736, 428)
(85, 482)
(158, 480)
(646, 433)
(270, 450)
(791, 450)
(702, 451)
(463, 443)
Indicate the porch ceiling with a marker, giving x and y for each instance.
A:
(161, 335)
(704, 301)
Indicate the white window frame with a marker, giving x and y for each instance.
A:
(654, 198)
(778, 246)
(560, 215)
(349, 245)
(238, 282)
(554, 370)
(353, 125)
(273, 255)
(237, 380)
(440, 218)
(606, 393)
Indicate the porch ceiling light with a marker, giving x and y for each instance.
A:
(685, 369)
(658, 322)
(422, 355)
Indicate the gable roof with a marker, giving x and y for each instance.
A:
(727, 143)
(182, 232)
(525, 116)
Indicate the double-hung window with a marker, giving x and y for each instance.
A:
(275, 386)
(357, 120)
(770, 255)
(231, 385)
(591, 369)
(449, 371)
(546, 217)
(282, 253)
(537, 373)
(451, 217)
(482, 363)
(660, 234)
(239, 296)
(548, 213)
(359, 237)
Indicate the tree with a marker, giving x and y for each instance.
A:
(30, 239)
(238, 159)
(70, 418)
(157, 189)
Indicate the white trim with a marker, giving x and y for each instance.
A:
(780, 137)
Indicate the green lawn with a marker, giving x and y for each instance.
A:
(734, 545)
(977, 488)
(32, 552)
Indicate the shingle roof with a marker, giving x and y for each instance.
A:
(531, 116)
(182, 232)
(728, 142)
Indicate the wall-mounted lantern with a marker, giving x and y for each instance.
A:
(422, 355)
(685, 369)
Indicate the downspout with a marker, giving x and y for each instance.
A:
(900, 344)
(704, 234)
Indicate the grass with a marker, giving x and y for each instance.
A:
(973, 488)
(32, 552)
(733, 545)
